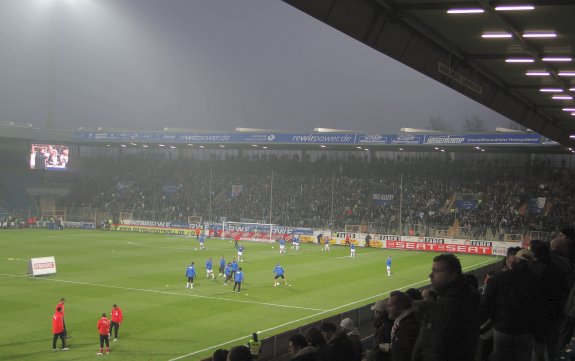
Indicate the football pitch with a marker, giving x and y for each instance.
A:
(145, 275)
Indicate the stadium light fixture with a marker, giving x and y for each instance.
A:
(123, 145)
(145, 146)
(161, 145)
(222, 146)
(201, 146)
(519, 60)
(566, 73)
(496, 35)
(562, 97)
(322, 146)
(551, 90)
(539, 34)
(254, 145)
(172, 147)
(366, 149)
(265, 147)
(568, 109)
(191, 145)
(466, 11)
(358, 148)
(514, 7)
(572, 136)
(400, 148)
(537, 73)
(557, 59)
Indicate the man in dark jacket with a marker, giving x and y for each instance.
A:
(511, 300)
(405, 325)
(450, 327)
(300, 350)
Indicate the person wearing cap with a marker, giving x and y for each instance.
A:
(382, 336)
(117, 318)
(405, 325)
(511, 299)
(349, 328)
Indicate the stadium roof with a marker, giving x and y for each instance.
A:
(518, 61)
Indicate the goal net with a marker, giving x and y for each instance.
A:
(194, 222)
(125, 216)
(248, 231)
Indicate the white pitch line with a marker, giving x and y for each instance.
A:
(307, 317)
(167, 293)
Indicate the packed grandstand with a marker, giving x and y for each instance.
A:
(477, 196)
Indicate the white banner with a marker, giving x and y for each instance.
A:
(42, 266)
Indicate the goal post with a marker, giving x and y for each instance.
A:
(249, 231)
(126, 216)
(193, 223)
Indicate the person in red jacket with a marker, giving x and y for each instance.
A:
(58, 329)
(104, 329)
(117, 318)
(61, 305)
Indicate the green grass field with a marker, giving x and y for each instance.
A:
(144, 275)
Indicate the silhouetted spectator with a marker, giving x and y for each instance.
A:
(450, 327)
(300, 350)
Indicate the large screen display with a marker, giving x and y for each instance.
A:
(49, 156)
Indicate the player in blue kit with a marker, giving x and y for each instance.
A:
(282, 243)
(240, 253)
(295, 242)
(222, 266)
(235, 267)
(352, 250)
(209, 269)
(191, 274)
(202, 239)
(228, 273)
(279, 272)
(239, 278)
(388, 264)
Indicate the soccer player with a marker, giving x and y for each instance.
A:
(282, 245)
(191, 274)
(236, 239)
(388, 263)
(326, 243)
(347, 239)
(240, 253)
(222, 266)
(352, 250)
(239, 278)
(209, 270)
(104, 330)
(117, 318)
(235, 267)
(279, 272)
(58, 329)
(295, 242)
(228, 273)
(202, 239)
(61, 305)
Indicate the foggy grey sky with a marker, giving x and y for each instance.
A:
(206, 64)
